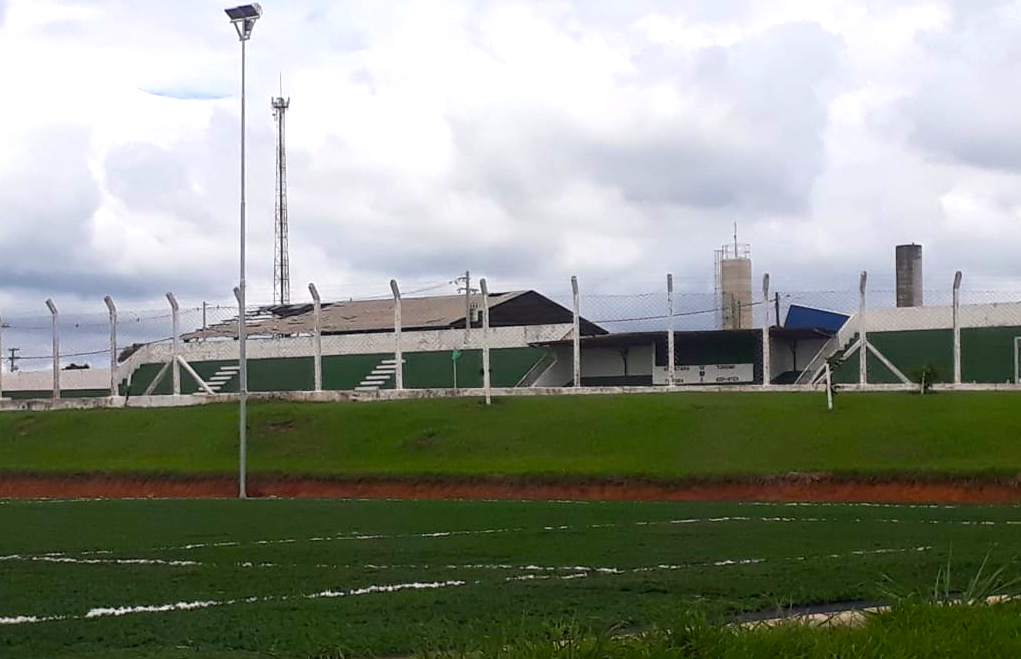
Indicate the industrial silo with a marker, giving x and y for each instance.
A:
(909, 275)
(734, 286)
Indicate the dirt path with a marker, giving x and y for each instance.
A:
(777, 489)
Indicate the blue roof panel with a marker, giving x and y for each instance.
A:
(807, 317)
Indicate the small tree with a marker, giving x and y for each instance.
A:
(925, 376)
(128, 351)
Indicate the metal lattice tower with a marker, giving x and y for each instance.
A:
(281, 260)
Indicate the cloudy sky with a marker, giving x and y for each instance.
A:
(526, 140)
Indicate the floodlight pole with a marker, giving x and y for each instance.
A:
(243, 427)
(243, 19)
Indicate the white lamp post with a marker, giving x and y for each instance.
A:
(243, 18)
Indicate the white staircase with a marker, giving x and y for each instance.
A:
(222, 376)
(379, 376)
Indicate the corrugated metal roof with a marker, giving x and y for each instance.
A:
(354, 316)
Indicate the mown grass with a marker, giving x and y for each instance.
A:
(526, 568)
(667, 436)
(908, 631)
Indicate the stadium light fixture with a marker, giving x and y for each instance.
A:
(243, 18)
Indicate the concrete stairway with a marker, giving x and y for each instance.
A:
(379, 376)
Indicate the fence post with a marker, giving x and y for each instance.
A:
(112, 308)
(398, 348)
(862, 331)
(2, 353)
(957, 328)
(56, 350)
(175, 368)
(484, 288)
(576, 333)
(767, 366)
(671, 371)
(317, 337)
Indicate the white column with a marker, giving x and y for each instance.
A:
(576, 333)
(2, 356)
(175, 368)
(767, 366)
(398, 327)
(957, 328)
(485, 340)
(112, 308)
(671, 370)
(862, 331)
(829, 387)
(317, 338)
(56, 350)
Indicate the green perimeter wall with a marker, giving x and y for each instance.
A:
(987, 355)
(422, 370)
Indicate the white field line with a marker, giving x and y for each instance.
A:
(470, 532)
(530, 569)
(536, 573)
(60, 558)
(582, 571)
(103, 612)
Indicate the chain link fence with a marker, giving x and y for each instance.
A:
(431, 338)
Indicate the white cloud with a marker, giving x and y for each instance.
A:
(525, 140)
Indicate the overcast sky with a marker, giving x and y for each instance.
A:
(527, 141)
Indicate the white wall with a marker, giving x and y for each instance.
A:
(86, 378)
(781, 359)
(996, 314)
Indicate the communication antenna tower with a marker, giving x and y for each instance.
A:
(281, 260)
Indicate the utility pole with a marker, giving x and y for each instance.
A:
(468, 290)
(776, 303)
(13, 357)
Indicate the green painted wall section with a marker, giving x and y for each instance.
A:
(345, 372)
(987, 355)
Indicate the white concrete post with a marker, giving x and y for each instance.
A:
(576, 333)
(317, 337)
(767, 366)
(485, 340)
(671, 370)
(862, 332)
(112, 308)
(56, 350)
(2, 354)
(957, 327)
(398, 326)
(175, 367)
(829, 387)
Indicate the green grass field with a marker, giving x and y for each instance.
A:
(314, 578)
(670, 436)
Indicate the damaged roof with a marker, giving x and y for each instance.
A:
(417, 313)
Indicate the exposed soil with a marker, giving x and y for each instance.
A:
(816, 488)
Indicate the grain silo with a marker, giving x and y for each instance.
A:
(909, 275)
(734, 285)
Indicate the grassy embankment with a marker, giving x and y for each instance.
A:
(662, 436)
